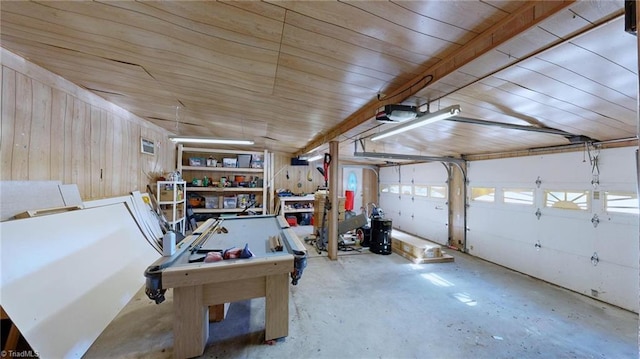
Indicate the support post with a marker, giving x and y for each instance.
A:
(333, 192)
(638, 108)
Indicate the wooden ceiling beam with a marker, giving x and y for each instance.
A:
(528, 15)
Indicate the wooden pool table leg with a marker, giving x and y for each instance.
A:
(277, 306)
(191, 322)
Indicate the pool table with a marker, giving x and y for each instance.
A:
(197, 285)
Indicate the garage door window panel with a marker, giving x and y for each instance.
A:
(619, 202)
(483, 194)
(518, 196)
(567, 199)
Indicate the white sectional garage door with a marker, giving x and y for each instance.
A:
(415, 198)
(562, 218)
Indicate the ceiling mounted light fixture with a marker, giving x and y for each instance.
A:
(420, 120)
(219, 141)
(314, 158)
(397, 113)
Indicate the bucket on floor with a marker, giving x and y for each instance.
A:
(380, 236)
(305, 219)
(348, 202)
(292, 221)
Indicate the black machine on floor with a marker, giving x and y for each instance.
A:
(377, 235)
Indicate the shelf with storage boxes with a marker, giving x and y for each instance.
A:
(172, 203)
(320, 198)
(224, 181)
(298, 207)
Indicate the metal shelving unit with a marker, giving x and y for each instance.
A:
(172, 203)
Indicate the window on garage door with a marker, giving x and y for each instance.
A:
(518, 196)
(568, 199)
(421, 191)
(621, 202)
(438, 191)
(483, 194)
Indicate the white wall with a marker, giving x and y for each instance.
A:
(507, 234)
(426, 217)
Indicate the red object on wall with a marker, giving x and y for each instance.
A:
(348, 202)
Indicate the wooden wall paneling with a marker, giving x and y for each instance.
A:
(151, 165)
(85, 165)
(50, 133)
(20, 158)
(109, 150)
(96, 152)
(114, 171)
(126, 175)
(134, 174)
(23, 66)
(136, 177)
(104, 139)
(125, 133)
(57, 143)
(40, 135)
(78, 149)
(7, 125)
(68, 139)
(297, 174)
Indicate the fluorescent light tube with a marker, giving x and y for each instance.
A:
(314, 158)
(221, 141)
(419, 121)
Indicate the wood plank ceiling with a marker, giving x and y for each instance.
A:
(292, 75)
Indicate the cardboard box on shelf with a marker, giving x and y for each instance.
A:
(168, 213)
(167, 195)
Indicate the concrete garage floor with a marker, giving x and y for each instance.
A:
(366, 305)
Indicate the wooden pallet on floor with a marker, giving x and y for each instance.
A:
(416, 249)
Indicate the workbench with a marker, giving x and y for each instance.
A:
(198, 285)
